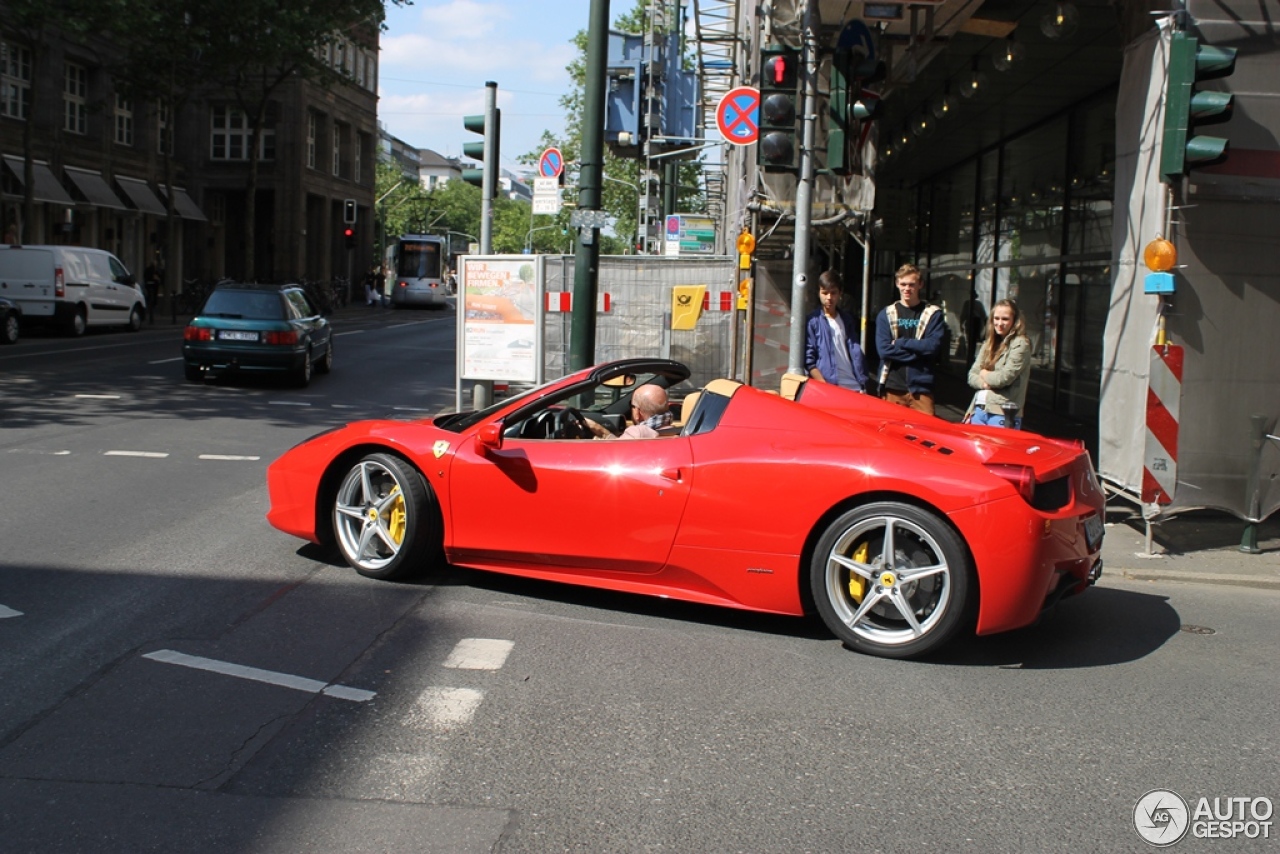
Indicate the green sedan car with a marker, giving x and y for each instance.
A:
(256, 329)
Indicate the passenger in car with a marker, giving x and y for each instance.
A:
(650, 412)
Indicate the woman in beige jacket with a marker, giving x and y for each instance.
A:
(1000, 373)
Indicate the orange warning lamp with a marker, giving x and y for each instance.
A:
(746, 243)
(1160, 256)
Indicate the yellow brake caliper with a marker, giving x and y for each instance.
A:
(858, 584)
(396, 516)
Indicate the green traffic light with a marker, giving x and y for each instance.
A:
(1189, 63)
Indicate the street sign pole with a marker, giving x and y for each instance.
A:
(804, 189)
(586, 257)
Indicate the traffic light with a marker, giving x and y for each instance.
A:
(486, 152)
(349, 211)
(779, 98)
(847, 107)
(349, 235)
(1190, 62)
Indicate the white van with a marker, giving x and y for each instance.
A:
(71, 286)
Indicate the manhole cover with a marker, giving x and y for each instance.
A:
(1196, 630)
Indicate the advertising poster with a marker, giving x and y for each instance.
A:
(499, 338)
(690, 234)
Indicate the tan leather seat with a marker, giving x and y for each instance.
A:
(686, 408)
(791, 385)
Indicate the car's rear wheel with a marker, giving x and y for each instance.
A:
(9, 334)
(891, 579)
(303, 376)
(326, 364)
(386, 519)
(79, 322)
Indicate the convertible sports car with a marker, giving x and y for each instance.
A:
(899, 529)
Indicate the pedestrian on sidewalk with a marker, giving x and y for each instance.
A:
(832, 353)
(1001, 372)
(909, 336)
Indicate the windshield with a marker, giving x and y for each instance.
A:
(459, 421)
(418, 260)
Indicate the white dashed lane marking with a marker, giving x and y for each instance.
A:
(229, 457)
(254, 674)
(98, 396)
(6, 612)
(38, 451)
(442, 708)
(153, 455)
(479, 654)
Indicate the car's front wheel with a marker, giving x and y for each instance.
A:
(891, 579)
(10, 331)
(135, 318)
(386, 520)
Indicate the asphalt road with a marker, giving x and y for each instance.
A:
(176, 675)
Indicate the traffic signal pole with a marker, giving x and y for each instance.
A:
(804, 187)
(586, 256)
(490, 166)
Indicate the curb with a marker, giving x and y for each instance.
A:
(1196, 578)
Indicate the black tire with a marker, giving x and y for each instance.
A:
(325, 365)
(193, 373)
(303, 376)
(386, 521)
(903, 607)
(10, 330)
(78, 323)
(135, 318)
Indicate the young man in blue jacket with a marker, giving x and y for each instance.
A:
(831, 350)
(909, 336)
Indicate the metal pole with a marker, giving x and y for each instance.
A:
(490, 181)
(586, 257)
(804, 188)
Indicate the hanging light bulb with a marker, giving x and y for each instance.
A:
(922, 124)
(975, 82)
(1061, 21)
(1010, 55)
(943, 104)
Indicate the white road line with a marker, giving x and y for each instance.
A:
(411, 409)
(231, 457)
(442, 708)
(38, 451)
(165, 361)
(6, 612)
(479, 654)
(284, 680)
(350, 332)
(155, 455)
(98, 396)
(288, 403)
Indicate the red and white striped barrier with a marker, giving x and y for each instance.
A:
(562, 301)
(721, 301)
(1164, 396)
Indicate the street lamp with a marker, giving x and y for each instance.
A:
(635, 235)
(528, 237)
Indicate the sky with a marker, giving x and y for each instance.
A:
(438, 54)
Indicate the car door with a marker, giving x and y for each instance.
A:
(124, 287)
(581, 504)
(311, 323)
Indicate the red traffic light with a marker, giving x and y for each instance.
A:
(348, 232)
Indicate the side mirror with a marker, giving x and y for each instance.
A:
(490, 437)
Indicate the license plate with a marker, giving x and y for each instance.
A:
(234, 335)
(1093, 531)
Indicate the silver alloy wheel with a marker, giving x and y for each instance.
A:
(79, 322)
(135, 319)
(11, 328)
(898, 590)
(369, 515)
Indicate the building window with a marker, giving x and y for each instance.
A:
(337, 151)
(163, 130)
(371, 73)
(357, 158)
(75, 99)
(15, 80)
(231, 135)
(124, 120)
(311, 140)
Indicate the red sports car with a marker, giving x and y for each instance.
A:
(899, 529)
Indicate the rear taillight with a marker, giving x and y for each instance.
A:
(197, 333)
(1023, 478)
(286, 338)
(59, 283)
(402, 284)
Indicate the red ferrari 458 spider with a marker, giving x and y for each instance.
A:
(899, 529)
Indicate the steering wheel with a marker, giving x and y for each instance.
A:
(569, 423)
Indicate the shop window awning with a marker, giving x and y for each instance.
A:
(141, 196)
(183, 203)
(95, 189)
(47, 188)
